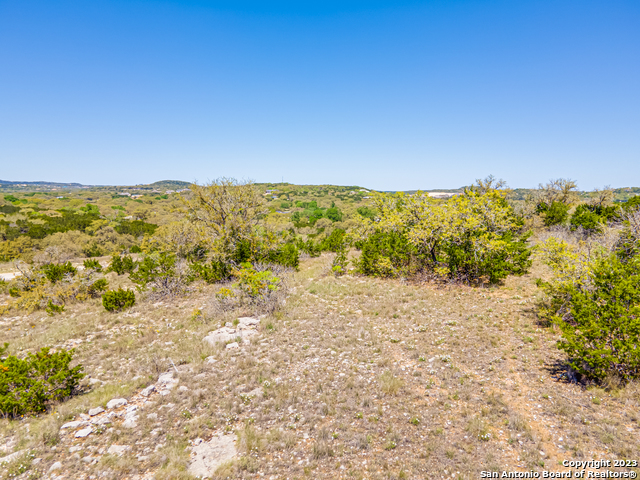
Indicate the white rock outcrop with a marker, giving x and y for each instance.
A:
(206, 457)
(115, 403)
(245, 329)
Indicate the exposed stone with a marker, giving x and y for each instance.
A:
(104, 421)
(233, 345)
(118, 449)
(131, 417)
(55, 466)
(244, 322)
(85, 432)
(206, 457)
(147, 391)
(166, 378)
(222, 335)
(95, 411)
(182, 388)
(116, 402)
(210, 359)
(74, 424)
(12, 457)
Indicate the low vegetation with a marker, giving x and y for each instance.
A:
(394, 336)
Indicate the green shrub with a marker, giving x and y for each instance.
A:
(92, 250)
(136, 228)
(366, 212)
(469, 238)
(309, 247)
(554, 214)
(57, 271)
(599, 316)
(334, 242)
(53, 308)
(253, 283)
(286, 255)
(385, 254)
(334, 214)
(591, 217)
(96, 288)
(340, 263)
(116, 300)
(212, 272)
(121, 264)
(30, 385)
(135, 249)
(465, 264)
(94, 264)
(162, 272)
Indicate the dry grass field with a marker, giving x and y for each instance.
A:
(353, 378)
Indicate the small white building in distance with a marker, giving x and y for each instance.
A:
(441, 194)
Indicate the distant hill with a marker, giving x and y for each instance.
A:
(48, 185)
(168, 185)
(6, 185)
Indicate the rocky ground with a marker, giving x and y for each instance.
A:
(354, 378)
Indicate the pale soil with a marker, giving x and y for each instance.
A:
(361, 378)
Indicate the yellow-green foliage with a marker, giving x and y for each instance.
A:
(468, 236)
(12, 249)
(255, 284)
(230, 219)
(181, 238)
(35, 292)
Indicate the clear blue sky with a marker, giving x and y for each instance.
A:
(388, 95)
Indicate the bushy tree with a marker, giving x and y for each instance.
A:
(14, 249)
(592, 218)
(121, 264)
(57, 271)
(554, 200)
(467, 237)
(116, 300)
(386, 254)
(334, 214)
(229, 216)
(594, 297)
(167, 275)
(554, 214)
(31, 384)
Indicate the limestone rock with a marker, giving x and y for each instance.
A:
(74, 424)
(85, 432)
(232, 345)
(222, 335)
(131, 417)
(166, 382)
(206, 457)
(116, 402)
(118, 449)
(55, 466)
(147, 391)
(95, 411)
(12, 457)
(244, 322)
